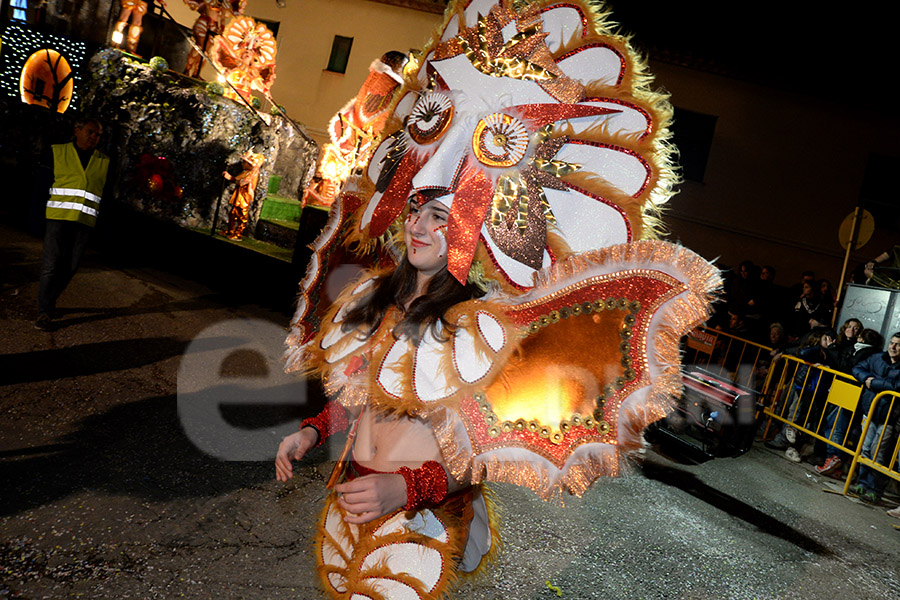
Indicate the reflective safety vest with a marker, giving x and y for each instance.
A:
(76, 191)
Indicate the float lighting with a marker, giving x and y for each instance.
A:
(20, 42)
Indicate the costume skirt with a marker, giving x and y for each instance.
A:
(401, 556)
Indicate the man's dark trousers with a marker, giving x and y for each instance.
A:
(64, 244)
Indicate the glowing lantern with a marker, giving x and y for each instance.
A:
(47, 80)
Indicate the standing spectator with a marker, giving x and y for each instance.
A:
(878, 373)
(810, 311)
(768, 297)
(79, 176)
(828, 294)
(805, 277)
(868, 342)
(805, 390)
(884, 270)
(742, 298)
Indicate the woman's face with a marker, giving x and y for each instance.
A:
(807, 289)
(826, 341)
(851, 330)
(425, 235)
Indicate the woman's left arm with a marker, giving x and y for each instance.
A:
(372, 496)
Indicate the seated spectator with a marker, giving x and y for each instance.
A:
(869, 342)
(805, 391)
(737, 325)
(777, 338)
(878, 373)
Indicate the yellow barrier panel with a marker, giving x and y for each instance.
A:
(844, 394)
(876, 451)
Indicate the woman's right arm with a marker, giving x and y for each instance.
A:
(313, 432)
(293, 447)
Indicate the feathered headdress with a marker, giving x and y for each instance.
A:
(535, 124)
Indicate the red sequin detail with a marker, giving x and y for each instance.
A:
(333, 419)
(392, 202)
(471, 201)
(576, 8)
(542, 114)
(425, 486)
(635, 107)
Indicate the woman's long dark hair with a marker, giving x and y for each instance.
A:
(396, 288)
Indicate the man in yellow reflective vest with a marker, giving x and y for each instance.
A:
(79, 175)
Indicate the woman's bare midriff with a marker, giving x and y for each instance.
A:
(387, 442)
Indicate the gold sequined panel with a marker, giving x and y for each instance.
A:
(565, 372)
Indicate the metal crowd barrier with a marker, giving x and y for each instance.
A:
(803, 399)
(803, 402)
(730, 357)
(802, 395)
(858, 459)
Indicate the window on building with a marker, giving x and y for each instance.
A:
(340, 54)
(692, 133)
(19, 8)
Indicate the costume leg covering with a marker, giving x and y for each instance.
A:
(402, 556)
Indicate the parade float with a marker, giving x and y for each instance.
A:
(170, 136)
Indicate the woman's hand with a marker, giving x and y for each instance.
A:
(293, 447)
(371, 496)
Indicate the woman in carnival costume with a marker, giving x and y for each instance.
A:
(521, 324)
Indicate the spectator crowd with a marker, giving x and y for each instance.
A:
(797, 321)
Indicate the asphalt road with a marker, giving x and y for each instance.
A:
(115, 482)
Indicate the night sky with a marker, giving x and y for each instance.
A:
(799, 46)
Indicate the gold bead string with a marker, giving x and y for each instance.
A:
(597, 419)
